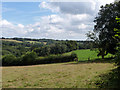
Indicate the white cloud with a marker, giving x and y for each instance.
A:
(82, 26)
(103, 2)
(9, 29)
(20, 25)
(49, 6)
(71, 21)
(5, 23)
(71, 7)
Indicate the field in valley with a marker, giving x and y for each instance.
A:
(65, 75)
(84, 54)
(60, 75)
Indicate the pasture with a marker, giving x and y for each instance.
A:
(10, 40)
(62, 75)
(84, 54)
(58, 75)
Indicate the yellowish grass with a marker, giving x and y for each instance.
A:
(65, 75)
(36, 42)
(10, 40)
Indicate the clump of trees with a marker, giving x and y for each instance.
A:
(26, 51)
(28, 56)
(31, 58)
(57, 48)
(9, 60)
(103, 32)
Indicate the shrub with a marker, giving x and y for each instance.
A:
(56, 59)
(28, 58)
(117, 59)
(9, 60)
(74, 55)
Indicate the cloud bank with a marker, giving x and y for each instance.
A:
(72, 20)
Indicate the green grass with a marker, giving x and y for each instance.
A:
(84, 54)
(62, 75)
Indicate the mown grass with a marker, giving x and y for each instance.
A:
(10, 40)
(62, 75)
(36, 42)
(86, 54)
(33, 42)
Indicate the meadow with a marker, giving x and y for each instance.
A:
(86, 54)
(65, 75)
(58, 75)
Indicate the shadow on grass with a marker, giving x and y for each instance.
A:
(109, 80)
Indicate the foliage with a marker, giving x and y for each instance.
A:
(9, 60)
(42, 51)
(29, 58)
(117, 59)
(117, 31)
(109, 80)
(23, 48)
(103, 30)
(117, 37)
(56, 59)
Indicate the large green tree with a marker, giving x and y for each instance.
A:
(117, 37)
(103, 30)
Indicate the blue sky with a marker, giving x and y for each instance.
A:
(23, 12)
(53, 20)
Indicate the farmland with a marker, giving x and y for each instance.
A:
(86, 54)
(54, 72)
(62, 75)
(60, 45)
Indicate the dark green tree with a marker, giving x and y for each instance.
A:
(103, 30)
(29, 58)
(9, 60)
(117, 37)
(42, 51)
(71, 45)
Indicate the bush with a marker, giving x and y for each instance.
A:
(42, 51)
(28, 58)
(117, 59)
(74, 55)
(9, 60)
(56, 59)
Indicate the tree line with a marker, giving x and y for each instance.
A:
(26, 53)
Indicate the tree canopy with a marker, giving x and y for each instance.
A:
(104, 29)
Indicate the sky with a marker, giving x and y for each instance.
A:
(50, 20)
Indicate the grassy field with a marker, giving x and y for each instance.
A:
(65, 75)
(84, 54)
(60, 75)
(10, 40)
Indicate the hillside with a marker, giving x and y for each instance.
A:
(65, 75)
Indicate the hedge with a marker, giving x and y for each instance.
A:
(31, 58)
